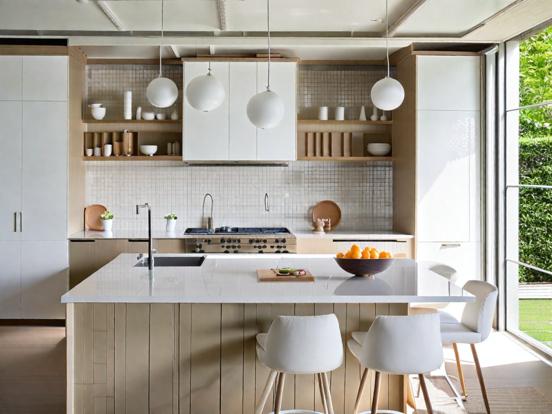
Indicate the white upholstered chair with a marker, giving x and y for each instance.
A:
(300, 345)
(400, 345)
(471, 325)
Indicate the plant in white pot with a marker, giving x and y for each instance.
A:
(171, 222)
(107, 220)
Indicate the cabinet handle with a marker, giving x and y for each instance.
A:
(21, 221)
(15, 221)
(450, 245)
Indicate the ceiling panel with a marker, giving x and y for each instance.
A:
(309, 15)
(51, 15)
(449, 17)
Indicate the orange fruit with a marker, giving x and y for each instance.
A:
(374, 254)
(355, 249)
(340, 255)
(366, 254)
(356, 255)
(385, 255)
(348, 255)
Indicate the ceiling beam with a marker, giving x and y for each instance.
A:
(221, 13)
(394, 26)
(110, 14)
(494, 16)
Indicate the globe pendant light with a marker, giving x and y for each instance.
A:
(162, 92)
(265, 110)
(387, 93)
(205, 92)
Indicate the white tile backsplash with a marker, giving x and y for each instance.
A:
(363, 192)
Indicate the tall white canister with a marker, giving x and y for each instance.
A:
(127, 105)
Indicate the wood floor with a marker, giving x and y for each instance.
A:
(32, 375)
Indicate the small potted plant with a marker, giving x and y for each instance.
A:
(107, 220)
(171, 222)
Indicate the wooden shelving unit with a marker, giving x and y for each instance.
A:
(332, 122)
(367, 158)
(136, 158)
(133, 121)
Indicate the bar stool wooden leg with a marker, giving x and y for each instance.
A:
(266, 392)
(322, 393)
(429, 409)
(327, 393)
(460, 370)
(410, 400)
(480, 377)
(360, 390)
(375, 397)
(279, 392)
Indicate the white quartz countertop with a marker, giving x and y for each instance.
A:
(306, 234)
(233, 279)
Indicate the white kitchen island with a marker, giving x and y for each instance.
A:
(182, 339)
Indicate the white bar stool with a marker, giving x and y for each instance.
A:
(473, 326)
(300, 345)
(400, 345)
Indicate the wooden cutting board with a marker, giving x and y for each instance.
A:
(92, 220)
(269, 275)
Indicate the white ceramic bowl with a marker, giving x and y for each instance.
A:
(98, 112)
(379, 149)
(148, 149)
(95, 105)
(148, 116)
(161, 117)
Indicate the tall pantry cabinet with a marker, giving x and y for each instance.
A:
(438, 136)
(33, 194)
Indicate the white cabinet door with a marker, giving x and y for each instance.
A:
(279, 143)
(45, 78)
(464, 258)
(10, 280)
(44, 171)
(242, 133)
(44, 278)
(446, 146)
(448, 83)
(10, 78)
(10, 169)
(205, 134)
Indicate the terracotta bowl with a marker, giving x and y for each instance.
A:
(364, 267)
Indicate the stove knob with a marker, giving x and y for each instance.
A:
(222, 241)
(285, 251)
(239, 247)
(233, 246)
(264, 241)
(277, 251)
(258, 241)
(227, 251)
(260, 251)
(251, 241)
(264, 246)
(236, 251)
(208, 241)
(284, 241)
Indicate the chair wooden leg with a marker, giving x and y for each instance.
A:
(266, 392)
(375, 397)
(322, 393)
(327, 393)
(460, 370)
(279, 393)
(360, 390)
(429, 409)
(480, 377)
(410, 400)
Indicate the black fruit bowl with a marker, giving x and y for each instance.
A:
(364, 267)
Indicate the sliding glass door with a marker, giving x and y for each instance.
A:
(528, 188)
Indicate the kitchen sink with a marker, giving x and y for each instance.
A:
(173, 261)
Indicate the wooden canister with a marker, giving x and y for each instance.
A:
(117, 143)
(128, 143)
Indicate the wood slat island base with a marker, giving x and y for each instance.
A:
(200, 358)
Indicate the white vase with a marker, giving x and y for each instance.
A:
(362, 116)
(171, 226)
(107, 225)
(127, 105)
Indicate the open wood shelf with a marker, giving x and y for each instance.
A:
(346, 122)
(136, 158)
(132, 121)
(352, 158)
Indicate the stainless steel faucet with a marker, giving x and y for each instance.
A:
(209, 225)
(150, 242)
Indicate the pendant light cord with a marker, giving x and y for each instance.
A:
(268, 39)
(161, 43)
(387, 35)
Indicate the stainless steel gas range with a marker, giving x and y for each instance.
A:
(241, 240)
